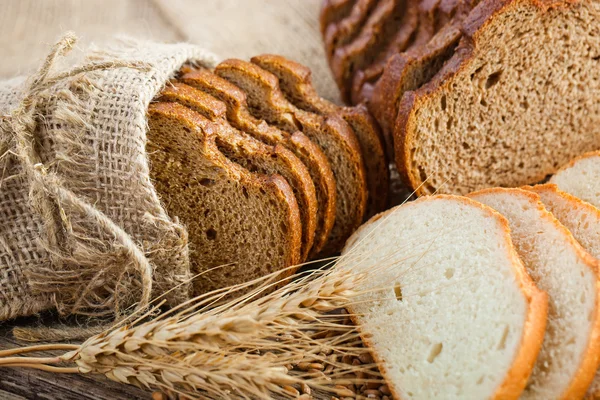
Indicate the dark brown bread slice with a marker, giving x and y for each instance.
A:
(247, 224)
(342, 32)
(253, 154)
(511, 105)
(308, 152)
(333, 11)
(377, 32)
(409, 71)
(364, 79)
(295, 82)
(333, 134)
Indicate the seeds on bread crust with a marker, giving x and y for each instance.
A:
(295, 82)
(331, 133)
(253, 154)
(222, 204)
(308, 152)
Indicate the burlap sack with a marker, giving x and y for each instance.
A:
(83, 229)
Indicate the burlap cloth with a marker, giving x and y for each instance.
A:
(83, 230)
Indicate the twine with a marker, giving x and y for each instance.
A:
(55, 203)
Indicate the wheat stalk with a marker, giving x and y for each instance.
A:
(266, 342)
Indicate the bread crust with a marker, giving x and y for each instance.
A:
(308, 152)
(256, 153)
(534, 327)
(296, 83)
(273, 186)
(590, 154)
(591, 360)
(477, 20)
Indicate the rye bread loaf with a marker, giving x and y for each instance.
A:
(295, 82)
(558, 265)
(581, 178)
(448, 310)
(489, 116)
(252, 154)
(239, 116)
(246, 224)
(331, 133)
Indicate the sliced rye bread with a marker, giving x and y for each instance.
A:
(308, 152)
(581, 178)
(488, 117)
(333, 11)
(345, 30)
(331, 133)
(409, 71)
(246, 224)
(252, 154)
(448, 310)
(377, 31)
(295, 82)
(558, 265)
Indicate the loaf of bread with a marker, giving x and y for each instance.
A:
(448, 310)
(470, 100)
(570, 276)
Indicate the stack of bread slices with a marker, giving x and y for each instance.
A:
(476, 93)
(264, 173)
(492, 295)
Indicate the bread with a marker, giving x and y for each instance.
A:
(581, 178)
(334, 10)
(448, 310)
(489, 116)
(309, 153)
(409, 70)
(246, 224)
(295, 83)
(558, 265)
(331, 133)
(253, 154)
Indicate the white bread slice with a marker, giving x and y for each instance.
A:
(581, 178)
(560, 266)
(448, 310)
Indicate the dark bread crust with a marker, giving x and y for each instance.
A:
(195, 133)
(308, 152)
(476, 22)
(253, 154)
(295, 81)
(332, 133)
(333, 11)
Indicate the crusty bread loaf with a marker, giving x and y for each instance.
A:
(308, 152)
(246, 224)
(295, 82)
(448, 310)
(558, 265)
(252, 154)
(331, 133)
(489, 116)
(581, 178)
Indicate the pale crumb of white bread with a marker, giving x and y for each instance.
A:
(448, 309)
(581, 178)
(583, 220)
(558, 265)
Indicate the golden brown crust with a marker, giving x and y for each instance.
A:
(279, 190)
(534, 327)
(253, 154)
(308, 152)
(331, 133)
(591, 359)
(296, 83)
